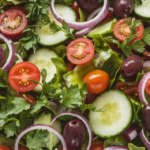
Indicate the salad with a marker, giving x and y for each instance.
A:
(74, 75)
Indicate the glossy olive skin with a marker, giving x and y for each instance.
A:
(131, 66)
(74, 133)
(87, 5)
(89, 98)
(123, 8)
(146, 117)
(2, 57)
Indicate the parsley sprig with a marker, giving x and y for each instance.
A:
(127, 45)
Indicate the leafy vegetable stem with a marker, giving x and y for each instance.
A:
(51, 108)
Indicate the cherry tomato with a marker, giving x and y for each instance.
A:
(13, 22)
(23, 148)
(97, 146)
(4, 147)
(122, 31)
(97, 80)
(80, 51)
(20, 74)
(70, 66)
(27, 97)
(147, 87)
(75, 7)
(108, 16)
(130, 90)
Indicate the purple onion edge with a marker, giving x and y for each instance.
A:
(116, 148)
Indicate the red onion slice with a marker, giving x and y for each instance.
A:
(144, 139)
(142, 88)
(82, 25)
(131, 133)
(146, 65)
(96, 12)
(11, 57)
(116, 148)
(84, 120)
(36, 127)
(19, 57)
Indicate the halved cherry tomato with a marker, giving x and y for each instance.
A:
(23, 148)
(97, 80)
(97, 146)
(80, 51)
(108, 16)
(20, 74)
(13, 22)
(4, 147)
(70, 66)
(121, 30)
(147, 87)
(130, 90)
(27, 97)
(75, 7)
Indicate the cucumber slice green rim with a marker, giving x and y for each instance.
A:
(117, 116)
(51, 40)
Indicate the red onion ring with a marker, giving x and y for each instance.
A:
(19, 57)
(82, 25)
(146, 65)
(96, 12)
(131, 133)
(142, 88)
(116, 148)
(87, 30)
(84, 120)
(11, 57)
(43, 127)
(144, 139)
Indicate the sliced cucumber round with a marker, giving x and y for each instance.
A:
(143, 10)
(48, 39)
(42, 59)
(117, 115)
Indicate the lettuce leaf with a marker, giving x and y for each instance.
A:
(131, 146)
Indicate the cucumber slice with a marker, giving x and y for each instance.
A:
(42, 59)
(117, 116)
(143, 10)
(103, 28)
(48, 39)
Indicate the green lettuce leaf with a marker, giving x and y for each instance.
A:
(131, 146)
(83, 15)
(60, 50)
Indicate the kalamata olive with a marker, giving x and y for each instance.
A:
(54, 104)
(123, 8)
(131, 66)
(87, 5)
(89, 98)
(146, 117)
(146, 54)
(2, 57)
(74, 133)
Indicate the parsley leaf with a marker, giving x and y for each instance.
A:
(54, 28)
(37, 139)
(38, 8)
(146, 36)
(138, 2)
(137, 45)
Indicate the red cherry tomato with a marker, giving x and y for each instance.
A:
(108, 16)
(13, 22)
(97, 80)
(147, 87)
(27, 97)
(121, 30)
(4, 147)
(97, 146)
(80, 51)
(75, 7)
(20, 74)
(23, 148)
(70, 66)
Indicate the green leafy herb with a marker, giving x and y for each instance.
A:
(60, 50)
(54, 28)
(131, 146)
(68, 2)
(146, 36)
(83, 15)
(137, 45)
(38, 9)
(37, 139)
(138, 2)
